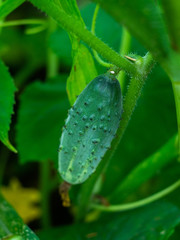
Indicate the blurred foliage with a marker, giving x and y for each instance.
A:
(7, 90)
(41, 108)
(46, 105)
(24, 200)
(155, 221)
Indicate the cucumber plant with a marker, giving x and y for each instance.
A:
(105, 171)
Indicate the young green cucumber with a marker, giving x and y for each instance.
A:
(89, 129)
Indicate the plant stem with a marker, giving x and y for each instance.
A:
(22, 22)
(140, 203)
(133, 93)
(52, 59)
(132, 96)
(72, 25)
(4, 154)
(124, 49)
(44, 183)
(45, 166)
(145, 170)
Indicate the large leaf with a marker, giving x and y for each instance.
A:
(41, 116)
(82, 72)
(146, 169)
(7, 90)
(70, 8)
(144, 20)
(153, 222)
(11, 225)
(176, 88)
(172, 17)
(8, 6)
(83, 69)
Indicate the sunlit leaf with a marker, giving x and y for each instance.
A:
(82, 72)
(11, 225)
(7, 90)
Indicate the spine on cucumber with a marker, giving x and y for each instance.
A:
(89, 129)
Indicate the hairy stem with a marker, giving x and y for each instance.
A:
(73, 26)
(131, 99)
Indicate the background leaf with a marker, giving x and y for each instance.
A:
(57, 40)
(12, 224)
(146, 169)
(7, 90)
(172, 17)
(41, 116)
(8, 6)
(143, 19)
(155, 221)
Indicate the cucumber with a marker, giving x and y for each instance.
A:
(89, 129)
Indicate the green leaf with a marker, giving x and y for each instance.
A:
(146, 169)
(83, 68)
(176, 87)
(172, 17)
(43, 108)
(7, 90)
(71, 8)
(11, 225)
(8, 6)
(155, 221)
(82, 72)
(144, 20)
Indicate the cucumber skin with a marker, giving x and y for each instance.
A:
(89, 129)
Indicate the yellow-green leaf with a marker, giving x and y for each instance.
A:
(82, 72)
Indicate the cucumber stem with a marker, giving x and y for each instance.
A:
(140, 203)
